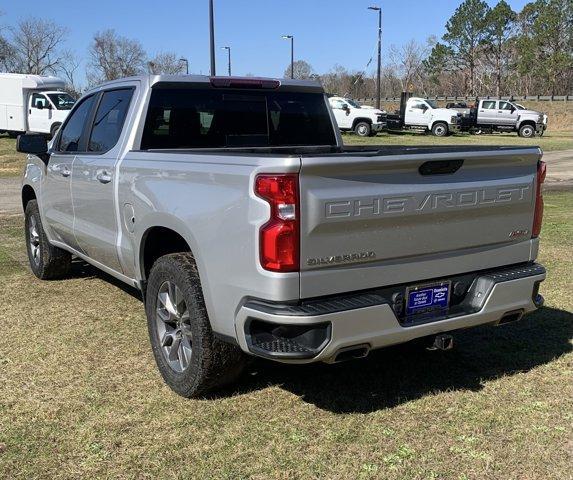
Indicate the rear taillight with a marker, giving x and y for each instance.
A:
(538, 217)
(279, 237)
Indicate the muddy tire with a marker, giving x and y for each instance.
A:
(191, 360)
(46, 261)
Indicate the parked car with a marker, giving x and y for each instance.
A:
(505, 116)
(32, 103)
(460, 107)
(364, 121)
(419, 114)
(250, 229)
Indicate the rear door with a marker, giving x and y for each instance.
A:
(369, 220)
(487, 112)
(94, 179)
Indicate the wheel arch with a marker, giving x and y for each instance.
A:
(156, 241)
(28, 193)
(361, 119)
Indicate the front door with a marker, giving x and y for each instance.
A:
(94, 180)
(341, 115)
(39, 113)
(416, 113)
(507, 114)
(57, 209)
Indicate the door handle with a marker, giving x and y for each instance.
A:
(103, 177)
(65, 172)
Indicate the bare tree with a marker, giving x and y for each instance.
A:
(68, 68)
(407, 62)
(112, 56)
(302, 70)
(36, 46)
(167, 63)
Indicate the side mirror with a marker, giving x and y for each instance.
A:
(34, 144)
(424, 108)
(39, 106)
(345, 107)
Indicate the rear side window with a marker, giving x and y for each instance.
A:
(210, 118)
(109, 120)
(72, 131)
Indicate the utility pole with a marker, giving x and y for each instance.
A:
(291, 38)
(186, 64)
(379, 73)
(212, 34)
(229, 57)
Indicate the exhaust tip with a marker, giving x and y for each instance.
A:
(351, 353)
(510, 317)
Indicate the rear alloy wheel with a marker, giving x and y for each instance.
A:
(362, 129)
(191, 360)
(440, 129)
(527, 131)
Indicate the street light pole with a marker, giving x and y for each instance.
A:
(291, 38)
(212, 35)
(186, 64)
(379, 73)
(229, 57)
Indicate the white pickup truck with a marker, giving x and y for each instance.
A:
(351, 116)
(421, 114)
(250, 229)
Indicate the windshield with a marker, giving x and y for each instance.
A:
(62, 101)
(353, 103)
(432, 103)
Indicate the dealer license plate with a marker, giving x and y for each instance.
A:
(428, 298)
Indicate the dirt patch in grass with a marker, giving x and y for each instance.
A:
(80, 396)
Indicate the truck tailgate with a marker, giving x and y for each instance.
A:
(369, 220)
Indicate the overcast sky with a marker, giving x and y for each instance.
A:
(326, 32)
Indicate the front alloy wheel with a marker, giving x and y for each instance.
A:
(35, 245)
(173, 326)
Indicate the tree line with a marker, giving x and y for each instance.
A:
(484, 51)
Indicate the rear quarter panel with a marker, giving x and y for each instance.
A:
(208, 200)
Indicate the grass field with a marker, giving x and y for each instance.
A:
(80, 396)
(11, 162)
(551, 141)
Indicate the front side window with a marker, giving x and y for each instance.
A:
(488, 105)
(432, 103)
(505, 106)
(109, 120)
(337, 104)
(211, 118)
(418, 105)
(353, 103)
(62, 101)
(72, 131)
(39, 101)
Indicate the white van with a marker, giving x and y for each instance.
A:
(32, 103)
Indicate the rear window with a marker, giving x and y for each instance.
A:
(209, 118)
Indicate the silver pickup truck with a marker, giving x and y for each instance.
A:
(250, 229)
(504, 116)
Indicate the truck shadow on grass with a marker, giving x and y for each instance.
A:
(399, 374)
(396, 375)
